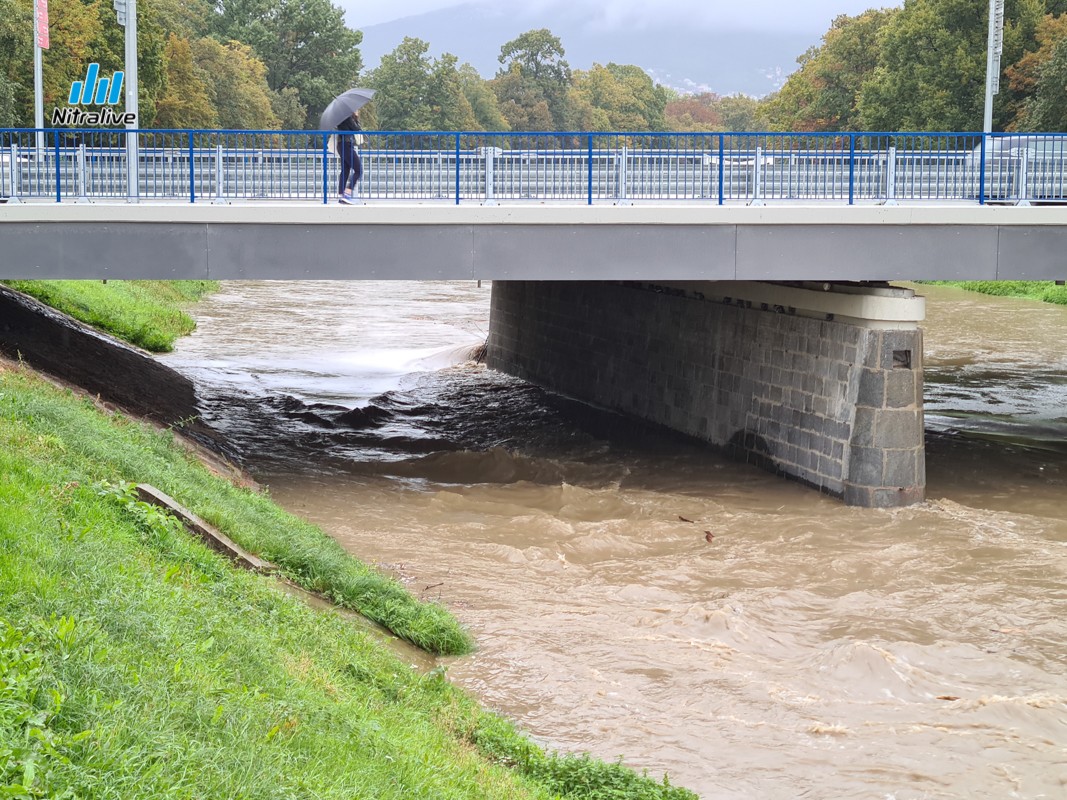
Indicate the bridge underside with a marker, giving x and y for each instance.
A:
(819, 383)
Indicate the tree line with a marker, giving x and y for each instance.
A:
(922, 67)
(275, 64)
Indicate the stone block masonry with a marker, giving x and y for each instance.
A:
(834, 403)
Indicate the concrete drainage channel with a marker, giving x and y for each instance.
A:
(221, 543)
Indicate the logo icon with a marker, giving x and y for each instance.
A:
(93, 91)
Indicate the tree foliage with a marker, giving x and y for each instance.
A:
(711, 112)
(75, 41)
(239, 91)
(1045, 108)
(81, 31)
(615, 98)
(922, 67)
(304, 44)
(534, 78)
(523, 104)
(823, 95)
(483, 102)
(187, 101)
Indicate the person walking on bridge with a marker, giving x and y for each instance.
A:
(347, 147)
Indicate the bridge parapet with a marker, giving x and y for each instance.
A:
(523, 167)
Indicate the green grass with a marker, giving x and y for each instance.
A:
(1046, 291)
(137, 663)
(96, 447)
(145, 313)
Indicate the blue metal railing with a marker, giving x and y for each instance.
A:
(491, 167)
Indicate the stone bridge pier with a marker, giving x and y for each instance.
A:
(819, 382)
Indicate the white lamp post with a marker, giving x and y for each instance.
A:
(992, 64)
(40, 42)
(126, 11)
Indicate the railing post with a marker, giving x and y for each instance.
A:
(325, 168)
(722, 164)
(488, 153)
(219, 171)
(59, 191)
(891, 176)
(192, 170)
(82, 177)
(981, 174)
(620, 193)
(457, 169)
(589, 152)
(757, 184)
(851, 168)
(133, 167)
(15, 169)
(1024, 170)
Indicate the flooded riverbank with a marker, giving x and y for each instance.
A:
(635, 594)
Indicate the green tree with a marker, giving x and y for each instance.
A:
(533, 71)
(741, 113)
(15, 30)
(823, 95)
(75, 30)
(81, 31)
(522, 103)
(644, 107)
(402, 81)
(291, 113)
(304, 44)
(1046, 109)
(418, 93)
(238, 86)
(451, 109)
(1026, 77)
(190, 19)
(8, 108)
(186, 101)
(615, 98)
(483, 102)
(931, 71)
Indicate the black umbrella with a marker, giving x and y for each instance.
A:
(342, 106)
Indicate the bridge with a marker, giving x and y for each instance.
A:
(728, 286)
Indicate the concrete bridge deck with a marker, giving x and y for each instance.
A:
(542, 241)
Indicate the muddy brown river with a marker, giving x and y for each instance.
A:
(636, 595)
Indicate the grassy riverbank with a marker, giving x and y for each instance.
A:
(136, 663)
(145, 313)
(1046, 291)
(92, 448)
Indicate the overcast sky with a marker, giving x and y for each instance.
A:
(799, 15)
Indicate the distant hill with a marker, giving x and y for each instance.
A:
(723, 61)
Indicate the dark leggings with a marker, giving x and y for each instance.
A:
(351, 164)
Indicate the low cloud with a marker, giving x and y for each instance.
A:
(636, 15)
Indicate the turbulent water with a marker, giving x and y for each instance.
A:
(636, 595)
